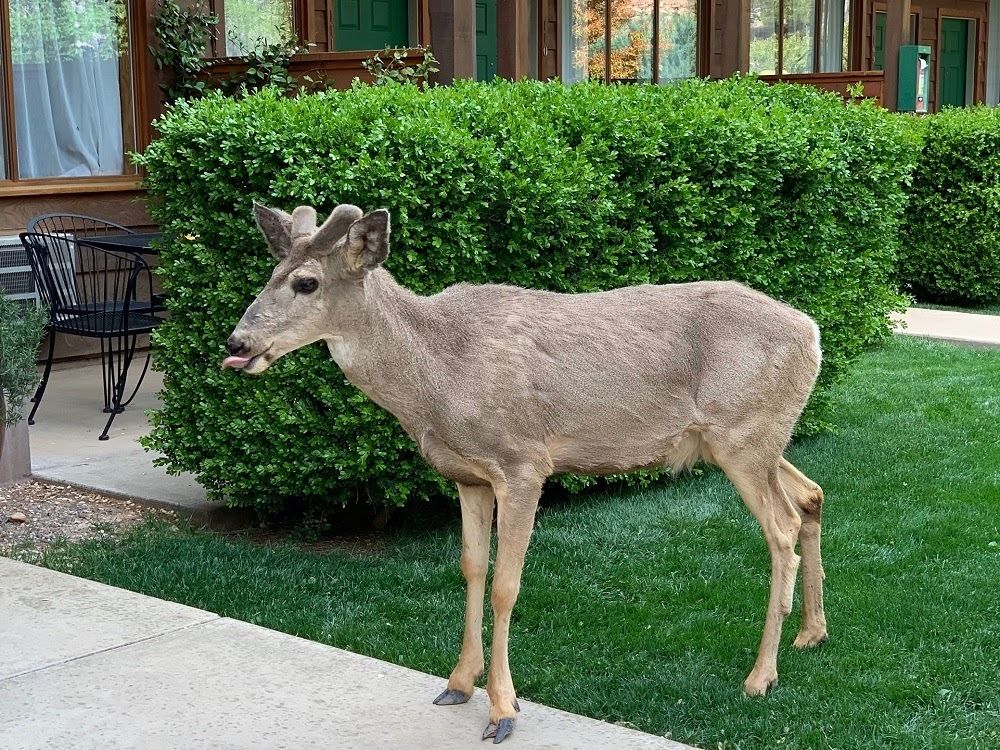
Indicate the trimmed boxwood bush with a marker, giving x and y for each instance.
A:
(951, 237)
(565, 188)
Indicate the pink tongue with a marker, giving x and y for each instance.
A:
(237, 363)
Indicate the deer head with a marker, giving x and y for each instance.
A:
(316, 289)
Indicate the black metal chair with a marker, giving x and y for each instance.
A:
(93, 292)
(75, 225)
(82, 228)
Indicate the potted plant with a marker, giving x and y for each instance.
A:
(21, 330)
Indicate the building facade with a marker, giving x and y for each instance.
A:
(80, 88)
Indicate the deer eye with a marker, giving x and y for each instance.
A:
(305, 285)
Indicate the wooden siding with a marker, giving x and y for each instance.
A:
(929, 15)
(724, 40)
(872, 82)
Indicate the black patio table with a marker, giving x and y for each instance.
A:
(137, 243)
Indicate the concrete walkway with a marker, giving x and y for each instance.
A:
(90, 667)
(65, 448)
(955, 327)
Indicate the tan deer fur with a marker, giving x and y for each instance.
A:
(500, 387)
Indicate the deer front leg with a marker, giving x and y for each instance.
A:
(477, 518)
(516, 505)
(766, 499)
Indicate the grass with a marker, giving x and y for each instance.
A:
(983, 310)
(646, 607)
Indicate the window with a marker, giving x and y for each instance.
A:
(68, 112)
(630, 40)
(245, 25)
(798, 36)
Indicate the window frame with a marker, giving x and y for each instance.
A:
(817, 40)
(699, 57)
(135, 136)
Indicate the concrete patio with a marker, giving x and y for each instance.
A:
(89, 667)
(65, 448)
(954, 327)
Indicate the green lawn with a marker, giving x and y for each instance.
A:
(646, 607)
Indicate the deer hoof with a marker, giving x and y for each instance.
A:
(758, 686)
(500, 731)
(810, 639)
(451, 698)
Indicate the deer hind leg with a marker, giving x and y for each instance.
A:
(517, 500)
(477, 519)
(808, 499)
(765, 497)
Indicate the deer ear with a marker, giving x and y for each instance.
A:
(335, 227)
(276, 227)
(367, 242)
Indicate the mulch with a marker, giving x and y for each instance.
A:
(35, 515)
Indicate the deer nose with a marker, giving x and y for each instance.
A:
(235, 345)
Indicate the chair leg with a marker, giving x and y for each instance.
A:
(107, 374)
(40, 391)
(119, 384)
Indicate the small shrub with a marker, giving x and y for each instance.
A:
(569, 188)
(391, 66)
(21, 329)
(950, 249)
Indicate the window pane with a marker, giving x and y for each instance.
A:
(631, 40)
(678, 39)
(252, 23)
(71, 75)
(584, 49)
(764, 36)
(799, 37)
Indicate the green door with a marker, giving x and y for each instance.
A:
(486, 39)
(878, 38)
(953, 62)
(370, 24)
(878, 63)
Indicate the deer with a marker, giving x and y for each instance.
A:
(501, 387)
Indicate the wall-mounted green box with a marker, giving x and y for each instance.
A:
(914, 78)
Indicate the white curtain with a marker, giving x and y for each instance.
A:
(67, 94)
(831, 50)
(575, 52)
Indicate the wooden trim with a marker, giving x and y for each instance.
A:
(654, 76)
(818, 33)
(897, 28)
(8, 109)
(607, 41)
(67, 186)
(145, 75)
(128, 90)
(424, 28)
(780, 31)
(871, 80)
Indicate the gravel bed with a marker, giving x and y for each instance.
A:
(34, 515)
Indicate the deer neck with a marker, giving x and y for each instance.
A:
(385, 351)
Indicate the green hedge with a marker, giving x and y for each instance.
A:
(951, 238)
(567, 188)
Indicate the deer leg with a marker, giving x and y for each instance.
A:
(807, 497)
(516, 505)
(477, 518)
(766, 499)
